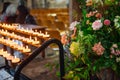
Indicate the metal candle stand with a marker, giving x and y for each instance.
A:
(17, 74)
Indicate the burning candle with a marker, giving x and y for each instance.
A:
(31, 31)
(8, 38)
(30, 37)
(15, 60)
(6, 31)
(21, 47)
(5, 54)
(35, 38)
(9, 57)
(1, 52)
(40, 34)
(29, 40)
(46, 35)
(26, 49)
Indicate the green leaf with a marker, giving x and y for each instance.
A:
(94, 68)
(78, 69)
(76, 78)
(70, 75)
(58, 74)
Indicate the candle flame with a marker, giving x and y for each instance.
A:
(27, 47)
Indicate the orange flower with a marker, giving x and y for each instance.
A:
(91, 13)
(89, 2)
(98, 15)
(64, 39)
(98, 49)
(88, 15)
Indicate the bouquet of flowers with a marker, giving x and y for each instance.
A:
(94, 42)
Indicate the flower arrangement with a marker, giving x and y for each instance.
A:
(94, 42)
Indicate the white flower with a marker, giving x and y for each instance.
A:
(115, 46)
(116, 21)
(73, 24)
(97, 25)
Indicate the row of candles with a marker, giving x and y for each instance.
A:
(25, 30)
(8, 56)
(8, 26)
(14, 45)
(36, 33)
(21, 38)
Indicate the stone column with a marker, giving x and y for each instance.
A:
(70, 11)
(75, 10)
(29, 4)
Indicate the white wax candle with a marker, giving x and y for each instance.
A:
(35, 38)
(40, 34)
(6, 31)
(8, 39)
(46, 35)
(15, 60)
(9, 57)
(30, 38)
(26, 47)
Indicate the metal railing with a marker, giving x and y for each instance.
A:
(38, 51)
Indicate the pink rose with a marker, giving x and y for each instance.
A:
(107, 22)
(97, 25)
(114, 50)
(73, 24)
(98, 49)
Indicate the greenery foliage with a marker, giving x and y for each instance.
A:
(95, 42)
